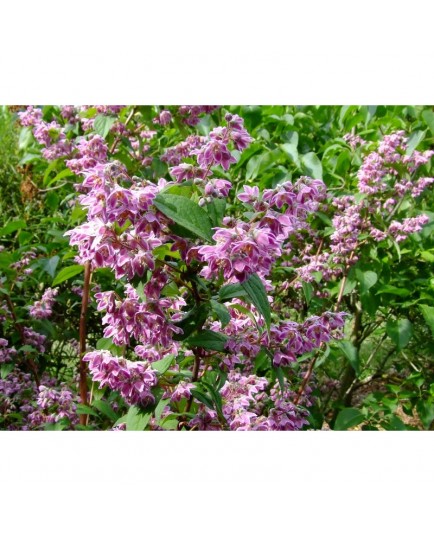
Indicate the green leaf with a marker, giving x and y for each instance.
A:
(256, 291)
(366, 279)
(63, 174)
(137, 419)
(210, 340)
(6, 369)
(291, 150)
(103, 124)
(390, 289)
(312, 165)
(162, 403)
(50, 265)
(428, 314)
(351, 353)
(163, 364)
(307, 291)
(105, 408)
(221, 311)
(348, 418)
(12, 226)
(235, 290)
(82, 409)
(202, 397)
(216, 210)
(67, 273)
(413, 141)
(428, 117)
(400, 331)
(186, 213)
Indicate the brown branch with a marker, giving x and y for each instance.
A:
(305, 380)
(82, 337)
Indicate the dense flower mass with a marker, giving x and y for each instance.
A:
(43, 308)
(216, 249)
(133, 380)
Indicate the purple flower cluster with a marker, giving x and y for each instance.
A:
(133, 380)
(242, 249)
(51, 135)
(241, 400)
(35, 339)
(43, 308)
(210, 152)
(354, 141)
(385, 177)
(190, 114)
(52, 405)
(182, 390)
(146, 321)
(164, 118)
(288, 339)
(6, 354)
(88, 154)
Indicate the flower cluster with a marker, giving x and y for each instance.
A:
(385, 177)
(43, 308)
(133, 380)
(51, 135)
(6, 354)
(242, 249)
(35, 339)
(190, 114)
(146, 321)
(53, 405)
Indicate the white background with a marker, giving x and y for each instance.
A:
(233, 52)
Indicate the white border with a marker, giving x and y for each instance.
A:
(193, 52)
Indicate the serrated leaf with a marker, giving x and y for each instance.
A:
(348, 418)
(103, 123)
(202, 397)
(137, 419)
(400, 331)
(67, 273)
(185, 213)
(105, 408)
(209, 340)
(256, 291)
(235, 290)
(163, 364)
(221, 311)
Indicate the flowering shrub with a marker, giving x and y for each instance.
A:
(216, 268)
